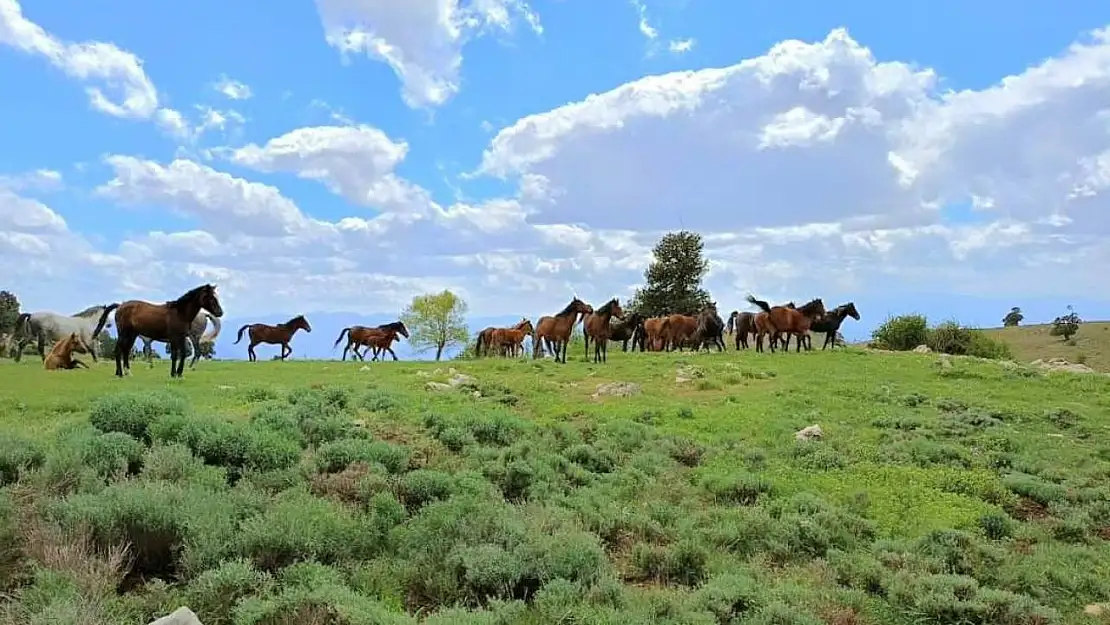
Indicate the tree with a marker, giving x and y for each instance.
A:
(673, 280)
(1066, 326)
(436, 321)
(207, 349)
(1013, 317)
(9, 312)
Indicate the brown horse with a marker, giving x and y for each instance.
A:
(830, 323)
(376, 338)
(596, 327)
(509, 340)
(680, 329)
(556, 329)
(655, 331)
(710, 329)
(168, 322)
(779, 320)
(280, 334)
(742, 324)
(484, 339)
(61, 355)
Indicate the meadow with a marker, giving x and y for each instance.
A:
(942, 490)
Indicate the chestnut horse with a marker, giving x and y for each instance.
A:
(61, 355)
(509, 340)
(779, 320)
(555, 330)
(484, 338)
(280, 334)
(743, 324)
(655, 333)
(596, 327)
(168, 322)
(680, 329)
(375, 338)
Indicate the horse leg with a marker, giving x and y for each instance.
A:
(586, 341)
(828, 339)
(284, 346)
(76, 363)
(42, 345)
(251, 356)
(195, 340)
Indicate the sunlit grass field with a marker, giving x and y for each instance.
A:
(943, 490)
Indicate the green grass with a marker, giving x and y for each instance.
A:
(1091, 346)
(974, 492)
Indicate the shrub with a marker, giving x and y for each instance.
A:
(950, 337)
(133, 412)
(741, 488)
(113, 454)
(18, 455)
(176, 464)
(234, 445)
(214, 593)
(902, 333)
(338, 455)
(683, 563)
(423, 486)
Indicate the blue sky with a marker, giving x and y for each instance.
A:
(338, 157)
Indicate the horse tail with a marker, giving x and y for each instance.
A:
(216, 325)
(239, 336)
(764, 306)
(103, 319)
(344, 331)
(478, 344)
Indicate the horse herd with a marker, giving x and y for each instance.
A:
(187, 317)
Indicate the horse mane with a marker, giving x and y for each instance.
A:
(90, 310)
(180, 302)
(393, 325)
(569, 308)
(290, 322)
(606, 308)
(811, 306)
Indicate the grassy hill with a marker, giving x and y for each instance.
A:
(325, 492)
(1091, 346)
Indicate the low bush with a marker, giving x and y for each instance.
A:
(950, 337)
(901, 333)
(132, 412)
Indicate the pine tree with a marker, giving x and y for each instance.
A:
(673, 280)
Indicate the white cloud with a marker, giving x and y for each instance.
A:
(682, 46)
(232, 89)
(421, 40)
(38, 180)
(815, 169)
(646, 29)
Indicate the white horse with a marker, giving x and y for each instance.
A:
(196, 336)
(50, 327)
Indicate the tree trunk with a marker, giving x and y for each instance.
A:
(439, 351)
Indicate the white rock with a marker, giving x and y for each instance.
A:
(180, 616)
(810, 433)
(618, 389)
(437, 386)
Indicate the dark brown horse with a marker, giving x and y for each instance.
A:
(740, 325)
(483, 341)
(710, 329)
(555, 330)
(597, 327)
(778, 320)
(377, 338)
(631, 328)
(280, 334)
(830, 323)
(168, 322)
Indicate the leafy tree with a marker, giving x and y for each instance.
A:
(1066, 326)
(436, 321)
(673, 280)
(1013, 317)
(9, 311)
(207, 349)
(108, 347)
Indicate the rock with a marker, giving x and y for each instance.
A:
(678, 379)
(458, 379)
(944, 362)
(1059, 364)
(437, 386)
(180, 616)
(922, 349)
(1095, 609)
(225, 387)
(618, 389)
(810, 433)
(422, 374)
(364, 368)
(687, 373)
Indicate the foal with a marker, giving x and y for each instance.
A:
(61, 355)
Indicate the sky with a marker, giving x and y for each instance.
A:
(342, 156)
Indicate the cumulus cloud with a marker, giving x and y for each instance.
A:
(232, 89)
(815, 169)
(421, 40)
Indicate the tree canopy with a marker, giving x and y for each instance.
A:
(1013, 318)
(9, 311)
(436, 321)
(673, 279)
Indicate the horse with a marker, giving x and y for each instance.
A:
(5, 343)
(484, 338)
(777, 320)
(46, 326)
(373, 337)
(597, 326)
(710, 329)
(168, 322)
(509, 340)
(680, 329)
(280, 334)
(655, 333)
(555, 330)
(61, 355)
(196, 336)
(830, 322)
(631, 328)
(740, 325)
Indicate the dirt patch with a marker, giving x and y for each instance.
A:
(1028, 510)
(840, 615)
